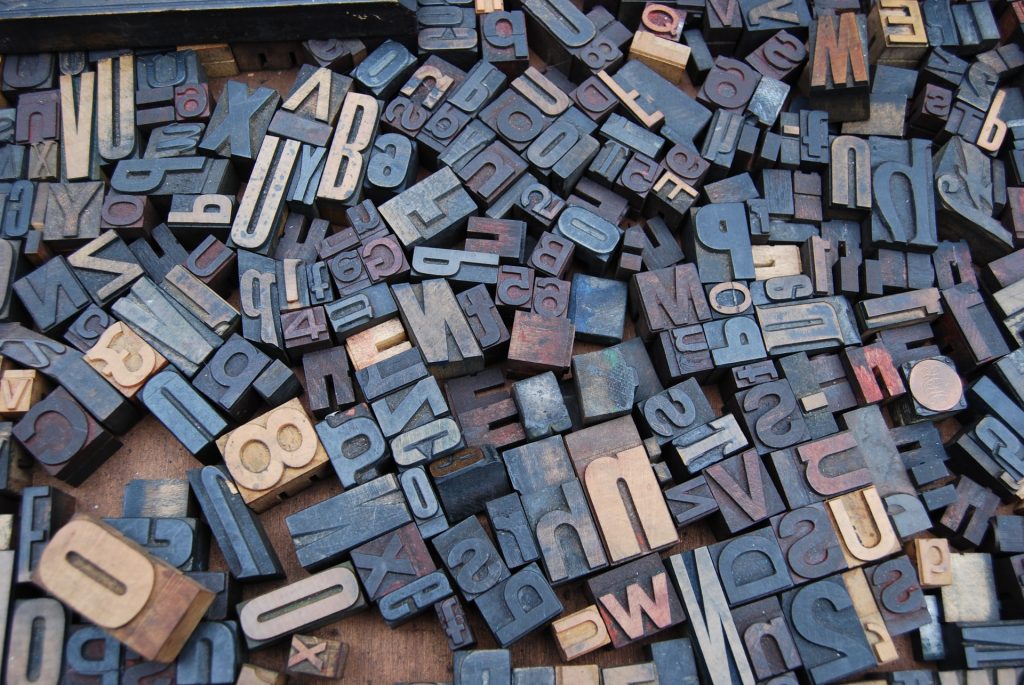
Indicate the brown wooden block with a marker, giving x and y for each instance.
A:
(668, 298)
(65, 438)
(540, 343)
(20, 390)
(863, 527)
(156, 610)
(124, 359)
(377, 344)
(317, 657)
(257, 675)
(580, 633)
(636, 600)
(554, 510)
(294, 457)
(932, 558)
(966, 521)
(875, 631)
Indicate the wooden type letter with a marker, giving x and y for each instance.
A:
(828, 631)
(519, 605)
(430, 212)
(239, 534)
(302, 605)
(172, 332)
(157, 608)
(124, 359)
(568, 539)
(580, 633)
(863, 527)
(317, 657)
(809, 543)
(751, 566)
(768, 637)
(184, 412)
(52, 295)
(392, 561)
(91, 656)
(471, 558)
(492, 666)
(44, 510)
(274, 455)
(720, 651)
(327, 530)
(898, 593)
(839, 77)
(636, 600)
(627, 531)
(35, 644)
(20, 390)
(64, 438)
(240, 121)
(744, 491)
(115, 108)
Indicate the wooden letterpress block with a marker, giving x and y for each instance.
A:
(482, 570)
(65, 438)
(302, 605)
(580, 633)
(124, 359)
(541, 407)
(415, 598)
(453, 473)
(742, 567)
(898, 594)
(52, 295)
(436, 324)
(317, 657)
(256, 675)
(898, 36)
(767, 636)
(551, 297)
(354, 444)
(20, 390)
(90, 655)
(540, 343)
(605, 384)
(744, 491)
(972, 595)
(154, 625)
(809, 543)
(228, 378)
(392, 561)
(821, 613)
(174, 333)
(706, 444)
(181, 542)
(35, 640)
(864, 530)
(509, 615)
(485, 410)
(553, 509)
(296, 457)
(375, 344)
(772, 416)
(184, 412)
(721, 655)
(452, 618)
(43, 510)
(932, 560)
(483, 318)
(239, 534)
(967, 519)
(324, 532)
(483, 665)
(636, 600)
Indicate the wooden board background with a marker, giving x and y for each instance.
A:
(415, 652)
